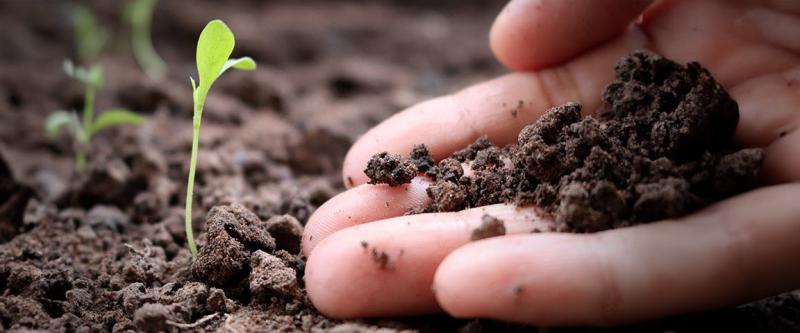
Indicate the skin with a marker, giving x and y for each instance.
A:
(737, 250)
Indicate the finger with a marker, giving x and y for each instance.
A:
(768, 107)
(725, 36)
(385, 268)
(362, 204)
(782, 159)
(497, 108)
(739, 250)
(534, 34)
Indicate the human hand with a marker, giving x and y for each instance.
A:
(737, 250)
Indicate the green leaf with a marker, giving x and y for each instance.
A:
(92, 77)
(214, 47)
(56, 120)
(243, 63)
(115, 117)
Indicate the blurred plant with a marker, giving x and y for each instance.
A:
(139, 15)
(214, 48)
(89, 36)
(83, 128)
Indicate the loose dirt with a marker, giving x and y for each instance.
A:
(660, 147)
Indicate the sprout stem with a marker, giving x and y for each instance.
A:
(198, 111)
(80, 158)
(143, 49)
(84, 136)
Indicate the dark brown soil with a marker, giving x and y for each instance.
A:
(661, 148)
(388, 168)
(490, 227)
(106, 251)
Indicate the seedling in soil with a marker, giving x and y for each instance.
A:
(83, 128)
(139, 15)
(89, 36)
(214, 48)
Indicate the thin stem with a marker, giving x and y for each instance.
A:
(142, 41)
(85, 134)
(80, 158)
(88, 111)
(198, 111)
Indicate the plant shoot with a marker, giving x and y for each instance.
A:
(214, 48)
(83, 128)
(139, 15)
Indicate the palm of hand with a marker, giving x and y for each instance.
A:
(617, 276)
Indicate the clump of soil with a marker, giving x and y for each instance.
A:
(490, 227)
(390, 169)
(661, 147)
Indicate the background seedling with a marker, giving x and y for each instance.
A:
(214, 48)
(89, 36)
(82, 129)
(139, 15)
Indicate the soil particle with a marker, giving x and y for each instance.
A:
(102, 216)
(661, 147)
(422, 159)
(447, 196)
(380, 258)
(391, 169)
(287, 231)
(151, 318)
(449, 170)
(233, 232)
(146, 266)
(490, 227)
(270, 277)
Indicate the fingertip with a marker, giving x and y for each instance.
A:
(472, 282)
(532, 279)
(362, 204)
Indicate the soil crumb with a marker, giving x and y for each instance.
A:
(391, 169)
(660, 147)
(233, 233)
(422, 159)
(490, 227)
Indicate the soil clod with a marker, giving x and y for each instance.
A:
(391, 169)
(490, 227)
(233, 232)
(270, 277)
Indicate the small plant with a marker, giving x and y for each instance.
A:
(139, 15)
(214, 48)
(89, 36)
(83, 128)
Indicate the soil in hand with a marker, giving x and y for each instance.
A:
(660, 147)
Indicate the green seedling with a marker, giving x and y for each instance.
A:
(214, 48)
(89, 36)
(139, 15)
(83, 128)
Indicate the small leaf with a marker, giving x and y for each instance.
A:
(56, 120)
(92, 77)
(213, 49)
(115, 117)
(243, 63)
(69, 67)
